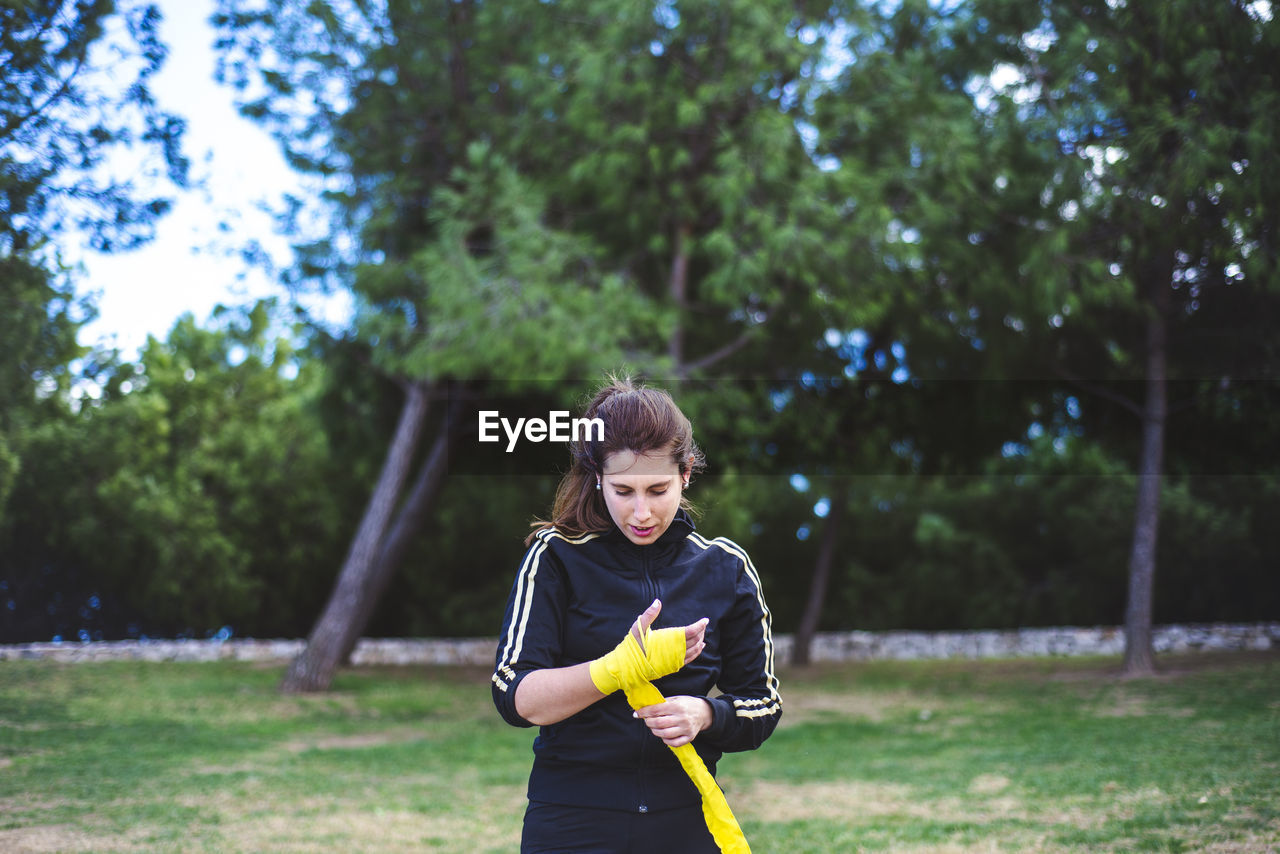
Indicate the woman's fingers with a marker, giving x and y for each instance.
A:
(644, 621)
(650, 614)
(694, 633)
(695, 636)
(670, 727)
(678, 720)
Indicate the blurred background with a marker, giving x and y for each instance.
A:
(973, 305)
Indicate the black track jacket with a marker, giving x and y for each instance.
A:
(575, 598)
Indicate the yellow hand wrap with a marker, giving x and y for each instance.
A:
(629, 665)
(631, 669)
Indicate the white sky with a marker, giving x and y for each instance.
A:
(189, 266)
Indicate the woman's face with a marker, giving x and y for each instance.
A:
(642, 492)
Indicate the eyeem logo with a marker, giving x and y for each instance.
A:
(558, 427)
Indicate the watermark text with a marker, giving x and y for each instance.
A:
(557, 427)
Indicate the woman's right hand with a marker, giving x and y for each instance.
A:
(694, 634)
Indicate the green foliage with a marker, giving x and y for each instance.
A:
(886, 248)
(1222, 523)
(74, 91)
(192, 493)
(1033, 540)
(671, 130)
(457, 575)
(1033, 181)
(74, 99)
(39, 316)
(495, 273)
(651, 139)
(1048, 171)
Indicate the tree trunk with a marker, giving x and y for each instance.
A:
(1139, 657)
(800, 652)
(408, 522)
(679, 297)
(334, 632)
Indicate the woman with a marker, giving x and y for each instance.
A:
(620, 544)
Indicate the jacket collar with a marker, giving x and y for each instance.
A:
(680, 528)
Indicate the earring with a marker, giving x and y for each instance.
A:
(597, 486)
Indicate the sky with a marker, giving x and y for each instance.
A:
(236, 167)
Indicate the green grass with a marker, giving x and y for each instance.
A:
(1030, 755)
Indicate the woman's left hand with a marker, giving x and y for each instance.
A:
(677, 721)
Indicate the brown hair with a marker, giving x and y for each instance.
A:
(637, 419)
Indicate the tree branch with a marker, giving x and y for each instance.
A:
(13, 126)
(724, 352)
(1100, 391)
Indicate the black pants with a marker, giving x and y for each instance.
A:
(554, 829)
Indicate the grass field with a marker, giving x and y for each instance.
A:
(1027, 755)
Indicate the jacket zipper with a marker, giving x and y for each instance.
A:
(650, 593)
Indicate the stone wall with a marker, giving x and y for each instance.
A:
(475, 651)
(830, 646)
(1014, 643)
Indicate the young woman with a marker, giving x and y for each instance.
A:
(619, 559)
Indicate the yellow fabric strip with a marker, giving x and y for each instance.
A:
(629, 664)
(631, 669)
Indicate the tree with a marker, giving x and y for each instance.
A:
(653, 205)
(1099, 213)
(1163, 124)
(436, 206)
(39, 316)
(189, 493)
(882, 350)
(63, 118)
